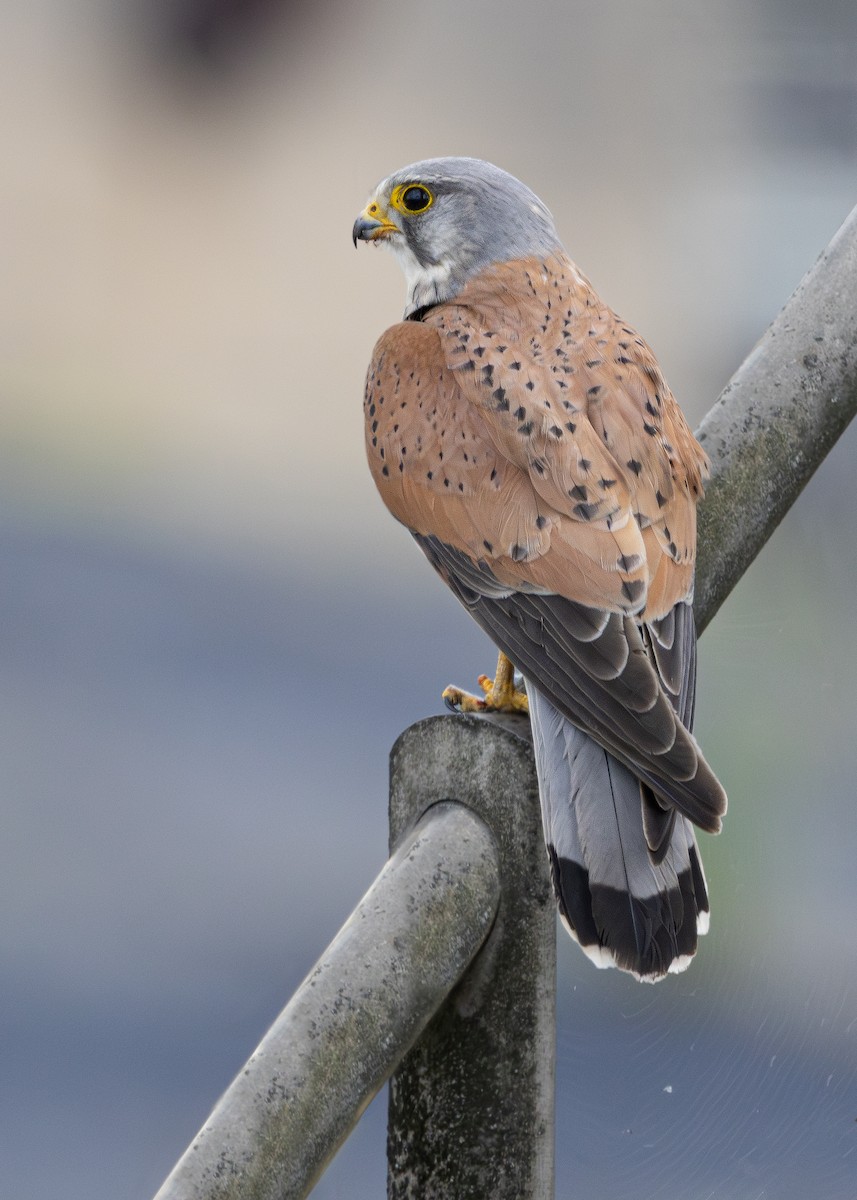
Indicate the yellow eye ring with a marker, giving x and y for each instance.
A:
(411, 198)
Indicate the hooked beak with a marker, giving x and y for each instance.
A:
(373, 224)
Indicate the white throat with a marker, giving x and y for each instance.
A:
(425, 284)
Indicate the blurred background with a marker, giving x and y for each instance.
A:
(211, 632)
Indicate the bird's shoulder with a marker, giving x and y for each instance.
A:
(574, 395)
(525, 424)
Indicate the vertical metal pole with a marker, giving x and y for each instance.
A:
(472, 1104)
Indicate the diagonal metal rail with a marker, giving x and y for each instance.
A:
(404, 987)
(777, 419)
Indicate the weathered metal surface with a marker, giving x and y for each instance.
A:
(472, 1105)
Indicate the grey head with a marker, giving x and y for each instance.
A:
(446, 219)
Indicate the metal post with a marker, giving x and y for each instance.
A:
(472, 1105)
(364, 1003)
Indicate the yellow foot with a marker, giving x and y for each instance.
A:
(500, 695)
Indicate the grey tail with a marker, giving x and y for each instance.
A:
(627, 872)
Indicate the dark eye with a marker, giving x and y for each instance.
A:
(415, 199)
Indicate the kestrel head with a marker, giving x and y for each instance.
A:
(448, 218)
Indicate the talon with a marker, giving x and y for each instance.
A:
(460, 701)
(501, 694)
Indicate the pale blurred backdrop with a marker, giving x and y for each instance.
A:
(211, 632)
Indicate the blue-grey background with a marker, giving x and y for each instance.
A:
(211, 632)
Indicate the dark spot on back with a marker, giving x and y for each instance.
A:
(632, 589)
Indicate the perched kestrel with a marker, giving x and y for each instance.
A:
(526, 437)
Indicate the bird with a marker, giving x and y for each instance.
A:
(526, 437)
